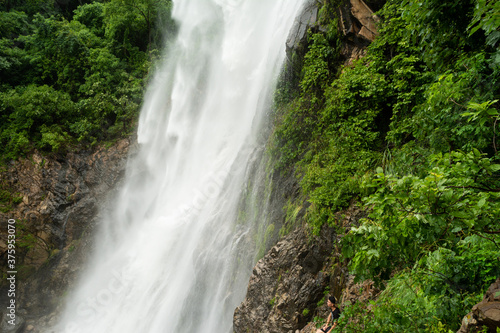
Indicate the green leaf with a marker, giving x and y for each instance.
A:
(494, 167)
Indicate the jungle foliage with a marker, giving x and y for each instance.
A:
(410, 133)
(73, 73)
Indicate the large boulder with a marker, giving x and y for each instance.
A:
(367, 19)
(359, 25)
(484, 314)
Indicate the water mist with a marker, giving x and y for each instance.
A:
(173, 256)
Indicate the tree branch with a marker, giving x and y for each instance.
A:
(482, 236)
(484, 189)
(495, 135)
(491, 232)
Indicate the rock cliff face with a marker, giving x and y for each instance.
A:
(286, 281)
(61, 198)
(297, 38)
(292, 278)
(295, 276)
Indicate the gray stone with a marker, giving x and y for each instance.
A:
(306, 19)
(286, 281)
(293, 277)
(18, 327)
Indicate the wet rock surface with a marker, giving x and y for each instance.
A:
(286, 281)
(62, 200)
(293, 277)
(297, 38)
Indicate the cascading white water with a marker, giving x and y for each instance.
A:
(173, 256)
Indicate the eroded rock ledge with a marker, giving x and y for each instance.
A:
(62, 198)
(287, 284)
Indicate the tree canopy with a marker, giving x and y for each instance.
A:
(74, 75)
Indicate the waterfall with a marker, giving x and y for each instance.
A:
(173, 255)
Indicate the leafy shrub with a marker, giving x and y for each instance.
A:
(411, 215)
(74, 78)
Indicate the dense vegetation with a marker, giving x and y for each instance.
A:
(409, 133)
(72, 73)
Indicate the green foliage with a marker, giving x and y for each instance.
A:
(262, 240)
(422, 105)
(441, 231)
(346, 139)
(437, 28)
(7, 199)
(315, 71)
(33, 114)
(412, 216)
(13, 62)
(440, 123)
(486, 17)
(292, 210)
(298, 119)
(135, 25)
(92, 17)
(12, 23)
(406, 305)
(61, 51)
(69, 79)
(27, 241)
(30, 7)
(53, 136)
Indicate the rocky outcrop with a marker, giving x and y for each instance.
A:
(297, 38)
(358, 19)
(358, 24)
(58, 194)
(286, 281)
(292, 278)
(484, 314)
(61, 201)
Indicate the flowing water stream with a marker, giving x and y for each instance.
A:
(174, 255)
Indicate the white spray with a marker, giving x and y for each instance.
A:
(173, 257)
